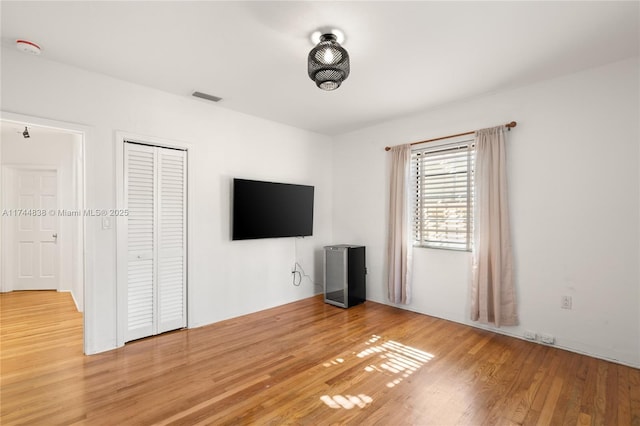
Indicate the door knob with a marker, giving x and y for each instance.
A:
(55, 236)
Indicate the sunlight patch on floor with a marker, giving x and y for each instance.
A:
(388, 357)
(333, 362)
(347, 402)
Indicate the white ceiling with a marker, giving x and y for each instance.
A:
(405, 56)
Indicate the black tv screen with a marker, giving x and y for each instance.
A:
(271, 210)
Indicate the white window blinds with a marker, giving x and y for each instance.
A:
(442, 196)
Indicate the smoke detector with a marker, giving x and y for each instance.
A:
(28, 47)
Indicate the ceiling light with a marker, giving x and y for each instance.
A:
(315, 36)
(26, 134)
(328, 63)
(28, 47)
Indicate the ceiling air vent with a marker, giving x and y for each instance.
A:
(206, 96)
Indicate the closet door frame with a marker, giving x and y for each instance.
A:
(121, 228)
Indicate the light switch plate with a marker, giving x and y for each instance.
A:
(106, 223)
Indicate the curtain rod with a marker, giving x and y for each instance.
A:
(508, 126)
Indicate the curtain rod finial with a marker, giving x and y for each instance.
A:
(387, 148)
(510, 125)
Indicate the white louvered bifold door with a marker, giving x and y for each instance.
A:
(140, 171)
(172, 251)
(155, 191)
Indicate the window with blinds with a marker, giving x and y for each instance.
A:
(442, 178)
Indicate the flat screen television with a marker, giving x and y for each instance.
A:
(271, 210)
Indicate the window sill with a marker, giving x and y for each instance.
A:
(443, 248)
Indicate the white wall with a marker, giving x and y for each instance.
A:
(574, 196)
(574, 190)
(56, 151)
(227, 278)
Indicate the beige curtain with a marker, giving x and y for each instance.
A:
(492, 291)
(399, 247)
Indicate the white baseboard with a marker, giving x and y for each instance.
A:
(73, 296)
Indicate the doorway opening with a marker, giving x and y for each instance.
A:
(42, 206)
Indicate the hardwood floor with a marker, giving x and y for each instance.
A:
(303, 363)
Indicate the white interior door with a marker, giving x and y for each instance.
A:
(34, 230)
(155, 196)
(140, 193)
(172, 238)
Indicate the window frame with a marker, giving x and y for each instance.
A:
(466, 143)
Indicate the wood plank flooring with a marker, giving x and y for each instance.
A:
(304, 363)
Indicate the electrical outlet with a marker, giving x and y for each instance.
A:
(530, 335)
(548, 339)
(565, 302)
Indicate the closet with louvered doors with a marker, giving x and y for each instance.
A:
(155, 180)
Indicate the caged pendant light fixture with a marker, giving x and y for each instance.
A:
(328, 63)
